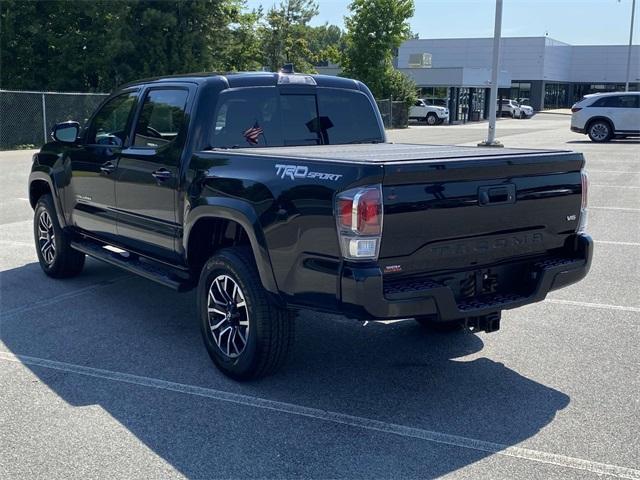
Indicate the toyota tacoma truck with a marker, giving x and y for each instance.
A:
(271, 193)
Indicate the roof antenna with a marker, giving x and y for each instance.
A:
(287, 68)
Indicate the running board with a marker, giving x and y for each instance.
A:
(158, 272)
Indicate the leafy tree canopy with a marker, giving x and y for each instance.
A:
(78, 45)
(375, 30)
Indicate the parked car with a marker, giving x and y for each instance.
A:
(269, 193)
(526, 111)
(431, 114)
(603, 116)
(510, 108)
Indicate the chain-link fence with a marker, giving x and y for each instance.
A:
(395, 114)
(27, 118)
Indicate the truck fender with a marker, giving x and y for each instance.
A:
(243, 214)
(41, 176)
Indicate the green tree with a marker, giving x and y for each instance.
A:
(80, 45)
(284, 35)
(375, 29)
(242, 50)
(53, 45)
(326, 43)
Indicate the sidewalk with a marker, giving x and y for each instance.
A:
(557, 111)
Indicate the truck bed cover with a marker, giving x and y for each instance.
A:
(392, 152)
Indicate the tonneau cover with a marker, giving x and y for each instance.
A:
(391, 152)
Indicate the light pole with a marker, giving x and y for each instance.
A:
(493, 97)
(626, 80)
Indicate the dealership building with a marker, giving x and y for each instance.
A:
(547, 72)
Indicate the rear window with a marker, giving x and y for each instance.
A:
(262, 117)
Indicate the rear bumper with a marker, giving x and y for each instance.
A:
(366, 296)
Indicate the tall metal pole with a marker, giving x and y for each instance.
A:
(44, 118)
(493, 97)
(633, 11)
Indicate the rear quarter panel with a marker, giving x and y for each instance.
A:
(295, 214)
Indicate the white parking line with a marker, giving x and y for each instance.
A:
(18, 244)
(333, 417)
(605, 306)
(59, 298)
(623, 209)
(607, 242)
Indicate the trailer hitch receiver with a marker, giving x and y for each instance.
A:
(486, 323)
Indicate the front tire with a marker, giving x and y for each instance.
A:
(53, 246)
(246, 335)
(600, 131)
(432, 119)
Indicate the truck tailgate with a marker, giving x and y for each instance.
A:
(479, 208)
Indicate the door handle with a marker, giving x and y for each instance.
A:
(107, 167)
(162, 174)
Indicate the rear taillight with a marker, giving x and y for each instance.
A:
(359, 222)
(582, 226)
(575, 109)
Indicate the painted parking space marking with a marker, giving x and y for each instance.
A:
(333, 417)
(603, 185)
(622, 209)
(608, 242)
(62, 297)
(589, 170)
(605, 306)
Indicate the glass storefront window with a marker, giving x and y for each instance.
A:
(435, 95)
(521, 92)
(556, 95)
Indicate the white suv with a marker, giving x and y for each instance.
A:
(431, 114)
(605, 115)
(511, 108)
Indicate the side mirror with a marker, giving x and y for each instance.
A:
(66, 132)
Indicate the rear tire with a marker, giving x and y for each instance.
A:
(430, 322)
(600, 131)
(246, 335)
(53, 245)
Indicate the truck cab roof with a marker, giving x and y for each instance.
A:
(253, 79)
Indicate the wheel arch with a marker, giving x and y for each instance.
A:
(40, 184)
(203, 221)
(602, 118)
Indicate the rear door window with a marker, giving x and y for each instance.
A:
(162, 118)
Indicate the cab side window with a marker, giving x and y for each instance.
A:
(109, 126)
(161, 119)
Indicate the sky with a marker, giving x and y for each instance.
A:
(577, 22)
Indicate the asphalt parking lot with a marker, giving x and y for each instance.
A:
(105, 375)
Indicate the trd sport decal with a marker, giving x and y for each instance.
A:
(301, 171)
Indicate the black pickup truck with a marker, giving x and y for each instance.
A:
(274, 192)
